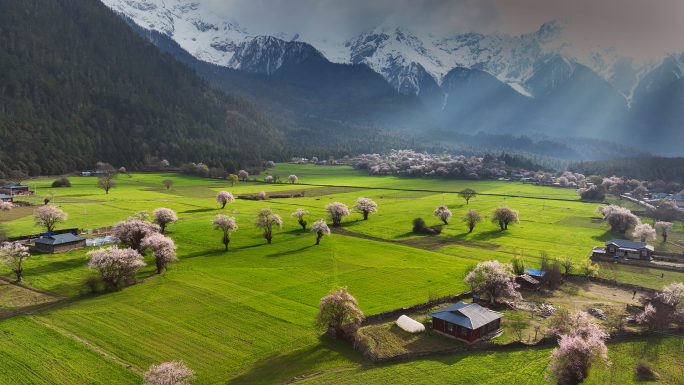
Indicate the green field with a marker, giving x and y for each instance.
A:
(246, 316)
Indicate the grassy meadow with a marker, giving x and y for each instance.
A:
(247, 316)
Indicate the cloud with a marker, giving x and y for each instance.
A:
(638, 27)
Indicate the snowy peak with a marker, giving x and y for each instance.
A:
(266, 54)
(669, 71)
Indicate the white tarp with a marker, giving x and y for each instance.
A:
(410, 325)
(108, 240)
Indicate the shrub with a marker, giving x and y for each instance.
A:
(62, 182)
(419, 226)
(645, 372)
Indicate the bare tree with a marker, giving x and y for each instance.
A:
(168, 183)
(471, 218)
(106, 183)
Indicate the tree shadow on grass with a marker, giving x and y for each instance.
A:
(200, 211)
(291, 252)
(54, 267)
(299, 362)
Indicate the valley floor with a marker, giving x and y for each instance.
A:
(247, 316)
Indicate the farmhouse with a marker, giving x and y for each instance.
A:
(13, 189)
(59, 243)
(466, 321)
(628, 249)
(6, 198)
(527, 282)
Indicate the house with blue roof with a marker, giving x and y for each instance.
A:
(59, 243)
(466, 321)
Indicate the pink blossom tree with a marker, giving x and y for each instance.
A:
(164, 217)
(619, 218)
(648, 317)
(122, 170)
(48, 217)
(505, 216)
(268, 179)
(442, 212)
(5, 206)
(644, 232)
(163, 249)
(336, 211)
(226, 225)
(270, 164)
(243, 175)
(13, 255)
(169, 373)
(675, 292)
(339, 313)
(320, 228)
(266, 219)
(292, 179)
(262, 195)
(664, 227)
(365, 206)
(115, 264)
(299, 214)
(471, 218)
(224, 197)
(132, 231)
(577, 350)
(493, 279)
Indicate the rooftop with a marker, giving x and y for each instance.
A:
(59, 239)
(625, 244)
(529, 279)
(14, 185)
(535, 273)
(468, 315)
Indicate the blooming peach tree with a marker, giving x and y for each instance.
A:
(471, 218)
(504, 216)
(339, 313)
(365, 206)
(224, 197)
(13, 256)
(619, 218)
(163, 249)
(443, 213)
(299, 214)
(226, 225)
(48, 217)
(268, 179)
(292, 179)
(664, 227)
(169, 373)
(320, 228)
(6, 206)
(644, 232)
(493, 279)
(115, 264)
(243, 175)
(266, 219)
(336, 211)
(262, 195)
(164, 217)
(132, 231)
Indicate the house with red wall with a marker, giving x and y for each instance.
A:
(466, 321)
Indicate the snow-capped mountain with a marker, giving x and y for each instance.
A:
(410, 62)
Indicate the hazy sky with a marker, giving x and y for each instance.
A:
(642, 28)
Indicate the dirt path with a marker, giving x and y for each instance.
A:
(89, 345)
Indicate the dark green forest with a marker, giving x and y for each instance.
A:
(641, 168)
(77, 86)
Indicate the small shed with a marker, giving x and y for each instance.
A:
(527, 282)
(466, 321)
(59, 243)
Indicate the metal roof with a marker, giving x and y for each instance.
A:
(60, 239)
(468, 315)
(3, 196)
(624, 244)
(529, 279)
(14, 185)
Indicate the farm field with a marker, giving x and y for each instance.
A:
(247, 316)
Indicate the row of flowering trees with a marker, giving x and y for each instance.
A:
(621, 219)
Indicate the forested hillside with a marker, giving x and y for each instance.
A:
(77, 86)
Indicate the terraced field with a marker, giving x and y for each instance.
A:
(246, 316)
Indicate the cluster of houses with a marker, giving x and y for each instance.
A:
(657, 196)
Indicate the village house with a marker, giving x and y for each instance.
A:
(626, 249)
(59, 243)
(6, 198)
(13, 189)
(466, 321)
(527, 282)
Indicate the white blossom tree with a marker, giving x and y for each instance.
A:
(664, 228)
(619, 218)
(443, 213)
(266, 219)
(13, 255)
(320, 228)
(292, 179)
(268, 179)
(224, 197)
(365, 206)
(339, 313)
(5, 206)
(115, 265)
(48, 217)
(336, 211)
(226, 225)
(164, 217)
(493, 279)
(262, 195)
(243, 175)
(169, 373)
(163, 249)
(644, 232)
(299, 214)
(132, 231)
